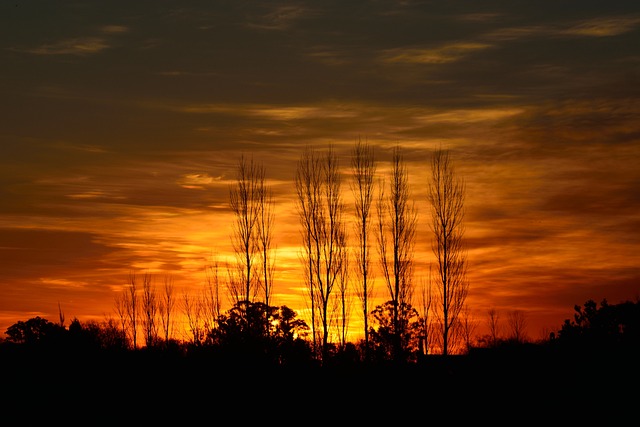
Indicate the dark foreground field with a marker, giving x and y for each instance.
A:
(495, 388)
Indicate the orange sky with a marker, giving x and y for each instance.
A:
(122, 124)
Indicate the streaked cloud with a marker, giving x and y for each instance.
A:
(76, 46)
(480, 17)
(198, 181)
(96, 194)
(114, 29)
(439, 55)
(81, 45)
(88, 148)
(329, 55)
(280, 18)
(470, 116)
(604, 27)
(517, 33)
(597, 27)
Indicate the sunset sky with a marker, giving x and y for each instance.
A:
(122, 123)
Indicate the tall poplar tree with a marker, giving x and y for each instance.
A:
(244, 200)
(446, 195)
(321, 211)
(397, 220)
(364, 169)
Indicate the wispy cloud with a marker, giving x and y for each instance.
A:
(114, 29)
(87, 148)
(479, 17)
(439, 55)
(273, 112)
(280, 18)
(81, 45)
(97, 194)
(516, 33)
(603, 27)
(198, 181)
(598, 27)
(470, 116)
(75, 46)
(329, 55)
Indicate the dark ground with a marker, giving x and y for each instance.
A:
(495, 389)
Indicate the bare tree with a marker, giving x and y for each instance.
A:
(211, 296)
(396, 238)
(166, 307)
(468, 327)
(120, 304)
(60, 315)
(251, 202)
(244, 198)
(446, 195)
(192, 307)
(131, 304)
(364, 169)
(320, 208)
(265, 241)
(149, 306)
(344, 304)
(517, 326)
(494, 326)
(309, 194)
(425, 316)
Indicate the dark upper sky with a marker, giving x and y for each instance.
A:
(122, 123)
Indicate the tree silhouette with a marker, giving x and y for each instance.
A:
(609, 327)
(131, 307)
(194, 310)
(211, 296)
(517, 325)
(446, 196)
(275, 336)
(493, 322)
(149, 305)
(244, 200)
(396, 238)
(344, 303)
(34, 331)
(364, 168)
(390, 329)
(426, 302)
(320, 208)
(95, 336)
(120, 307)
(265, 238)
(166, 307)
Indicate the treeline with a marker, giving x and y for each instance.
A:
(255, 335)
(89, 370)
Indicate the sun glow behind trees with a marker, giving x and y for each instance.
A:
(329, 216)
